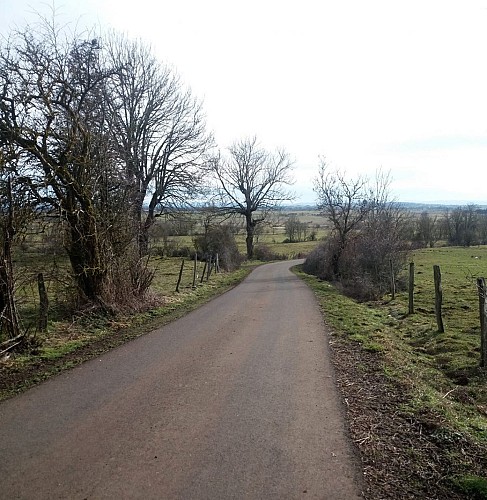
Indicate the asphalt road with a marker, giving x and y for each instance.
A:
(235, 400)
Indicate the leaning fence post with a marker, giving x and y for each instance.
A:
(203, 273)
(411, 288)
(180, 275)
(210, 267)
(438, 298)
(483, 321)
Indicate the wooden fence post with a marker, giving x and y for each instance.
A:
(194, 269)
(209, 267)
(482, 288)
(438, 298)
(180, 276)
(43, 304)
(204, 271)
(411, 288)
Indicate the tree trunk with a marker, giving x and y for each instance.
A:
(141, 225)
(145, 225)
(86, 258)
(143, 240)
(8, 309)
(249, 240)
(9, 318)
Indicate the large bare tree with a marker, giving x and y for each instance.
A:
(159, 129)
(52, 108)
(251, 182)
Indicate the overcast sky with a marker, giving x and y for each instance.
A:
(397, 85)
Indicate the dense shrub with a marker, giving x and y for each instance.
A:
(365, 263)
(317, 261)
(264, 253)
(370, 234)
(367, 267)
(220, 240)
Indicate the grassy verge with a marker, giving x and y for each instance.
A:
(376, 330)
(442, 389)
(68, 344)
(442, 369)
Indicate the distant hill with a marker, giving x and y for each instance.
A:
(299, 207)
(438, 206)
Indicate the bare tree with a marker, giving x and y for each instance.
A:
(251, 182)
(159, 130)
(15, 213)
(462, 224)
(345, 202)
(383, 240)
(482, 226)
(370, 233)
(295, 229)
(210, 215)
(52, 107)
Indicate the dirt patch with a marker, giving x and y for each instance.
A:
(404, 456)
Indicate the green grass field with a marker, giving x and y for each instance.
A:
(274, 240)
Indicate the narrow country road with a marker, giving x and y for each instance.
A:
(236, 400)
